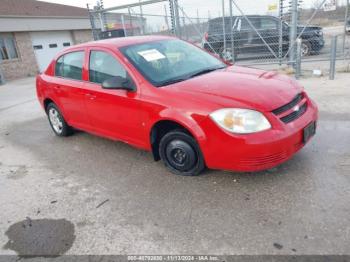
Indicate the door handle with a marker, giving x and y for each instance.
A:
(91, 96)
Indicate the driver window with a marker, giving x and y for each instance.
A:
(267, 23)
(104, 66)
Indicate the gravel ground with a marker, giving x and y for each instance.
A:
(88, 195)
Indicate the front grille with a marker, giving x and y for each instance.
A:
(255, 161)
(290, 105)
(294, 115)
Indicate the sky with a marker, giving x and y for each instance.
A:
(191, 6)
(205, 8)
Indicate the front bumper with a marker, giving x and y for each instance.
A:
(317, 44)
(258, 151)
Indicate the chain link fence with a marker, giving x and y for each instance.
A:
(301, 37)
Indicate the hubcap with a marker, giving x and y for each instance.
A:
(55, 120)
(180, 155)
(304, 49)
(226, 54)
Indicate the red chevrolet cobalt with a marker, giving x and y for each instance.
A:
(184, 105)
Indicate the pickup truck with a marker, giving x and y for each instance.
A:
(266, 31)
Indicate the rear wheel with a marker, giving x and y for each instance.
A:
(57, 122)
(181, 153)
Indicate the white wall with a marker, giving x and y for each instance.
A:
(20, 24)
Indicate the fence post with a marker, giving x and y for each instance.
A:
(92, 23)
(166, 18)
(2, 78)
(177, 19)
(280, 29)
(333, 57)
(293, 31)
(185, 33)
(123, 24)
(231, 33)
(172, 17)
(298, 60)
(345, 21)
(102, 16)
(141, 16)
(223, 24)
(130, 22)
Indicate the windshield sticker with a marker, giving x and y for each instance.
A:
(151, 55)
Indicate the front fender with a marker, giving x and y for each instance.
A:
(189, 121)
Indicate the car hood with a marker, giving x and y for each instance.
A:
(240, 87)
(308, 28)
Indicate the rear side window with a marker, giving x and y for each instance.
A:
(253, 20)
(104, 66)
(268, 23)
(70, 65)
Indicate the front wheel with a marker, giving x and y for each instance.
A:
(305, 49)
(181, 153)
(226, 54)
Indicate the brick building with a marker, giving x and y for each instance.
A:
(32, 32)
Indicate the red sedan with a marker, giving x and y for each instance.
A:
(187, 107)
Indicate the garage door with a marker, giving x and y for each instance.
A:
(47, 44)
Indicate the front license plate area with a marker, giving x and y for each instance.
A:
(309, 131)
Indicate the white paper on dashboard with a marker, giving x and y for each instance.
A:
(151, 55)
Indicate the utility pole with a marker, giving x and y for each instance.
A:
(293, 31)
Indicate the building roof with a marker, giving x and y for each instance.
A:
(33, 8)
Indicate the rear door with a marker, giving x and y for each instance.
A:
(250, 41)
(268, 29)
(69, 88)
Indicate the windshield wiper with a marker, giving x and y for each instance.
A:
(201, 72)
(205, 71)
(171, 81)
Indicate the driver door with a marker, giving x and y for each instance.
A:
(112, 113)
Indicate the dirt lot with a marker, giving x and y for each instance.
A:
(89, 195)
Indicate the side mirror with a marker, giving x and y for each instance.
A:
(118, 82)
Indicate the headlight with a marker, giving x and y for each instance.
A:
(319, 33)
(242, 121)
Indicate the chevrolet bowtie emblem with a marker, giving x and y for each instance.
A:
(296, 108)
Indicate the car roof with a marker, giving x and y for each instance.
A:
(240, 16)
(123, 41)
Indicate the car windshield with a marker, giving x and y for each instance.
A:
(170, 61)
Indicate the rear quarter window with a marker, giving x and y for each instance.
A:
(70, 65)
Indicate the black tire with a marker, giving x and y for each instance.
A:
(181, 153)
(65, 129)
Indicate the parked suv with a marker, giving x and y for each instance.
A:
(247, 40)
